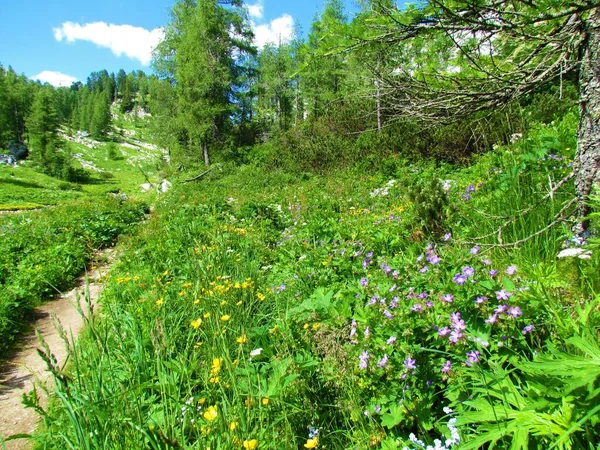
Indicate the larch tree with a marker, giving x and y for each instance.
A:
(465, 56)
(42, 127)
(202, 55)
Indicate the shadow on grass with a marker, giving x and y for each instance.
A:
(21, 183)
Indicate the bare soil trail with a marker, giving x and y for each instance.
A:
(26, 367)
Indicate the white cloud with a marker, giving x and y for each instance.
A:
(134, 42)
(55, 78)
(278, 31)
(256, 10)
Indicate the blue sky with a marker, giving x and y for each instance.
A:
(62, 40)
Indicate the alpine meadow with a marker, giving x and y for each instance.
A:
(381, 233)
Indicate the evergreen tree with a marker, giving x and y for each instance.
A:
(206, 76)
(120, 80)
(42, 126)
(126, 96)
(101, 120)
(324, 73)
(275, 94)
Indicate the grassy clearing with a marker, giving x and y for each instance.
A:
(125, 171)
(24, 188)
(265, 310)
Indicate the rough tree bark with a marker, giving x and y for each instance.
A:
(588, 133)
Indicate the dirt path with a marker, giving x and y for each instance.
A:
(26, 367)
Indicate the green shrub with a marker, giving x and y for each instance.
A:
(43, 252)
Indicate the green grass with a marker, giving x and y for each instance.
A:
(25, 188)
(297, 266)
(257, 307)
(42, 252)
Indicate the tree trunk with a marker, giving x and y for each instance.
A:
(378, 94)
(205, 154)
(587, 160)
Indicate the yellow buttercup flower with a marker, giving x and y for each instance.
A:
(216, 366)
(210, 414)
(260, 296)
(242, 339)
(250, 444)
(265, 401)
(233, 425)
(159, 302)
(225, 317)
(312, 443)
(196, 323)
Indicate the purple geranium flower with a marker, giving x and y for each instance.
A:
(492, 319)
(468, 271)
(388, 314)
(472, 358)
(474, 250)
(446, 366)
(455, 336)
(515, 311)
(433, 259)
(364, 282)
(447, 237)
(510, 270)
(364, 356)
(502, 294)
(459, 278)
(444, 332)
(481, 299)
(447, 298)
(391, 340)
(383, 361)
(500, 309)
(409, 363)
(527, 329)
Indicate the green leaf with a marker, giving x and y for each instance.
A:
(393, 417)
